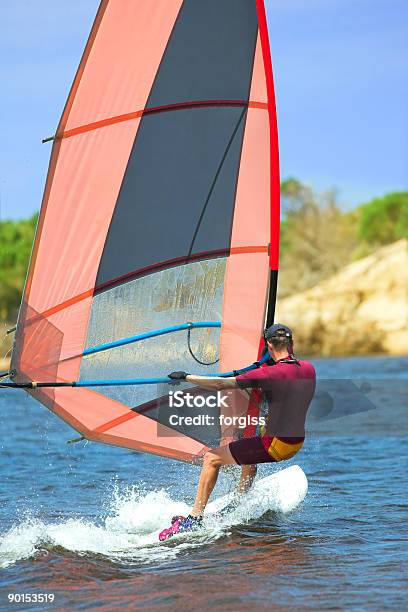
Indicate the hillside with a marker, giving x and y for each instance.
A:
(362, 309)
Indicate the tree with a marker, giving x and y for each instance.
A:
(384, 220)
(317, 239)
(16, 238)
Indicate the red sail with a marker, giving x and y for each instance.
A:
(161, 207)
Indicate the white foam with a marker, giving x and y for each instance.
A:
(135, 518)
(280, 492)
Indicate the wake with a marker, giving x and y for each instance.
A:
(129, 533)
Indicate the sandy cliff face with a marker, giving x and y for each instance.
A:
(363, 309)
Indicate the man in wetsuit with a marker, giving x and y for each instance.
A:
(288, 386)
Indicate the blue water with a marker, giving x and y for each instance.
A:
(76, 520)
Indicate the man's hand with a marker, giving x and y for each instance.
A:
(178, 375)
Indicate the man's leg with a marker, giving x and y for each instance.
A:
(213, 460)
(248, 474)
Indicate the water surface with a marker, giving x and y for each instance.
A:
(77, 520)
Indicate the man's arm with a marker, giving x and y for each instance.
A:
(212, 382)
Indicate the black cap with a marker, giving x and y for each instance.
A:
(278, 331)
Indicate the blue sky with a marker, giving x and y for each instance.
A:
(341, 78)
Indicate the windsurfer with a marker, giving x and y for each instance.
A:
(288, 387)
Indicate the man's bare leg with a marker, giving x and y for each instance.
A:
(248, 474)
(213, 460)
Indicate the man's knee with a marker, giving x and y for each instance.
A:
(211, 460)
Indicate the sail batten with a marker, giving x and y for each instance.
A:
(158, 109)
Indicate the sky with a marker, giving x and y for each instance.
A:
(341, 80)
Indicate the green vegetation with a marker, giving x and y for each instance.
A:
(384, 220)
(16, 238)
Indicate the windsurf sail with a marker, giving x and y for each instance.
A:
(157, 242)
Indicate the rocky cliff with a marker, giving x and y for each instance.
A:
(363, 309)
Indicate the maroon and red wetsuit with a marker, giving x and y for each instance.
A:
(288, 387)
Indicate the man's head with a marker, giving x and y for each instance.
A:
(279, 339)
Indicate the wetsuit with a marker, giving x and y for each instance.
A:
(288, 388)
